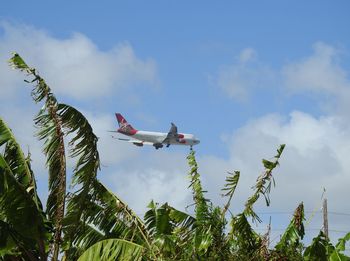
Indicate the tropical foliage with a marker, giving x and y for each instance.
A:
(89, 222)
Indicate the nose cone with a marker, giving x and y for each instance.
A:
(196, 141)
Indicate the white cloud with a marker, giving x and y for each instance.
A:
(157, 175)
(247, 54)
(244, 76)
(141, 186)
(319, 72)
(74, 66)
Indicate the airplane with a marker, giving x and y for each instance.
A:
(157, 139)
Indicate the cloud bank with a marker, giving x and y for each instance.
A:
(75, 65)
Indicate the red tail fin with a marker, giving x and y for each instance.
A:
(124, 126)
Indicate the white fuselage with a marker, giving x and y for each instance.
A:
(159, 137)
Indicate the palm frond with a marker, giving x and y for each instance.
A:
(9, 241)
(83, 145)
(263, 185)
(170, 229)
(181, 219)
(88, 235)
(201, 206)
(247, 241)
(108, 215)
(203, 238)
(23, 223)
(157, 219)
(203, 234)
(337, 253)
(295, 230)
(319, 248)
(113, 249)
(160, 226)
(342, 241)
(50, 130)
(230, 188)
(18, 163)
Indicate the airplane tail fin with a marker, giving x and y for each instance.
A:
(124, 126)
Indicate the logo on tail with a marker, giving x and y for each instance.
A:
(124, 126)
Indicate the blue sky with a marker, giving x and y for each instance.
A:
(242, 76)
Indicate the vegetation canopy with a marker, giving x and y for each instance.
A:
(89, 222)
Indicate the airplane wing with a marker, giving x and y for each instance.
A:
(172, 134)
(136, 142)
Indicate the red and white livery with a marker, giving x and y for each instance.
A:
(157, 139)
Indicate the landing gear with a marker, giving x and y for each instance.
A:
(158, 145)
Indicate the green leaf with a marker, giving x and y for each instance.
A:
(294, 233)
(17, 62)
(231, 182)
(342, 241)
(318, 250)
(230, 188)
(280, 150)
(104, 216)
(247, 241)
(17, 210)
(50, 130)
(113, 249)
(263, 185)
(268, 164)
(19, 165)
(158, 219)
(335, 252)
(201, 203)
(181, 218)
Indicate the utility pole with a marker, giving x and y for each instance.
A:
(269, 233)
(325, 218)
